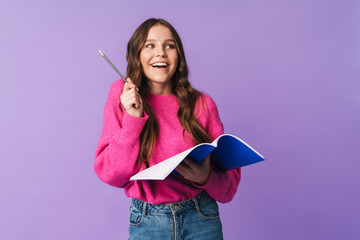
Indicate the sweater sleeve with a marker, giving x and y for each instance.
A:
(119, 144)
(221, 186)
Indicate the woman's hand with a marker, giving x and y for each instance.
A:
(196, 172)
(131, 99)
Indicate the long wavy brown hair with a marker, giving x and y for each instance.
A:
(181, 88)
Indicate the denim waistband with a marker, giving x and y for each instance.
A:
(199, 199)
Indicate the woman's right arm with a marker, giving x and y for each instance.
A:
(119, 144)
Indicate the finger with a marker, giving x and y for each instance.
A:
(128, 101)
(206, 161)
(125, 98)
(136, 102)
(180, 169)
(129, 86)
(129, 94)
(133, 101)
(190, 163)
(183, 167)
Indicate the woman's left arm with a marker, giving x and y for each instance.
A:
(221, 186)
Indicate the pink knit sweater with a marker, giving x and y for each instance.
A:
(119, 144)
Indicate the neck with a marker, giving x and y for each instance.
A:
(161, 89)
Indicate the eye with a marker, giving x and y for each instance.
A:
(171, 46)
(149, 45)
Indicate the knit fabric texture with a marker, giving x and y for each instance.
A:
(119, 144)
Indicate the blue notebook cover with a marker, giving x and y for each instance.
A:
(230, 153)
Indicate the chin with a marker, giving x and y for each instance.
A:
(159, 80)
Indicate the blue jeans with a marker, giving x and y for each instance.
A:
(193, 219)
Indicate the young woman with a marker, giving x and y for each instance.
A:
(155, 115)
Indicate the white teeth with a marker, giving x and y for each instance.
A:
(159, 64)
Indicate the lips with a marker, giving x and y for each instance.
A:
(159, 65)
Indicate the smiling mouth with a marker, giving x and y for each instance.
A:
(159, 65)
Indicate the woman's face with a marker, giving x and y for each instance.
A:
(159, 57)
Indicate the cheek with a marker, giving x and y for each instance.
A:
(176, 60)
(144, 57)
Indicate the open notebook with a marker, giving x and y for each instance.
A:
(227, 152)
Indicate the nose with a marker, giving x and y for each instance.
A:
(160, 52)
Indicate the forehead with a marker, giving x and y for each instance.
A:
(159, 32)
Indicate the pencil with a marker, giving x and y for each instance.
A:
(112, 65)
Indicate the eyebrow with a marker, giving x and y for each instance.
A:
(153, 40)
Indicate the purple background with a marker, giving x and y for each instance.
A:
(285, 76)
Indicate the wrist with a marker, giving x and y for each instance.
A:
(136, 113)
(203, 182)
